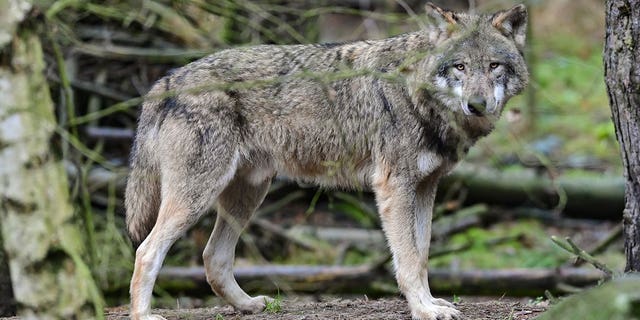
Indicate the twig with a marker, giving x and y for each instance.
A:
(566, 288)
(152, 54)
(362, 239)
(552, 299)
(462, 220)
(489, 243)
(571, 247)
(282, 233)
(614, 235)
(110, 133)
(450, 250)
(277, 205)
(93, 88)
(95, 101)
(341, 252)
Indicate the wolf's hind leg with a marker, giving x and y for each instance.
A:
(151, 253)
(186, 194)
(236, 205)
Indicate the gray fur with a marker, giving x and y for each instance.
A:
(393, 115)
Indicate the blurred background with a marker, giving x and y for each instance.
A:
(552, 166)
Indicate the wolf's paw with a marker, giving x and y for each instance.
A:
(255, 304)
(442, 302)
(435, 312)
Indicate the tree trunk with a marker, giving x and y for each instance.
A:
(622, 74)
(44, 246)
(7, 303)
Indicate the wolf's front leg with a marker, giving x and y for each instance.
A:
(405, 207)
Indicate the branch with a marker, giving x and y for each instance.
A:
(568, 245)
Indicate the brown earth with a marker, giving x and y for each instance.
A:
(354, 309)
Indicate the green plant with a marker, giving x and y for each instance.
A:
(536, 301)
(354, 207)
(274, 305)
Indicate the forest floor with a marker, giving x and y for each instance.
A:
(356, 309)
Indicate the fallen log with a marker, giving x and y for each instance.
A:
(363, 239)
(587, 197)
(367, 279)
(373, 239)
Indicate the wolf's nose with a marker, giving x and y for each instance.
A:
(477, 105)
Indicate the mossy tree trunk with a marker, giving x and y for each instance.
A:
(41, 240)
(7, 303)
(622, 74)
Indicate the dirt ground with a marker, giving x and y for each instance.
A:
(355, 309)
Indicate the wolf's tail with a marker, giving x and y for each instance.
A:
(142, 195)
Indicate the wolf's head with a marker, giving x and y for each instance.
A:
(478, 65)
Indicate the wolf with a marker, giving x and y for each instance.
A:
(392, 115)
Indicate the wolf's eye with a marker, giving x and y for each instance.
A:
(459, 66)
(494, 65)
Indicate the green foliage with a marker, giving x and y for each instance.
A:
(353, 257)
(114, 264)
(302, 256)
(355, 208)
(275, 305)
(527, 246)
(574, 104)
(571, 103)
(536, 301)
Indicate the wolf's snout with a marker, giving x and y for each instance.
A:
(477, 105)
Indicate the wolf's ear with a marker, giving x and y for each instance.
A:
(513, 24)
(443, 18)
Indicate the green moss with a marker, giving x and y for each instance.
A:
(617, 300)
(526, 245)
